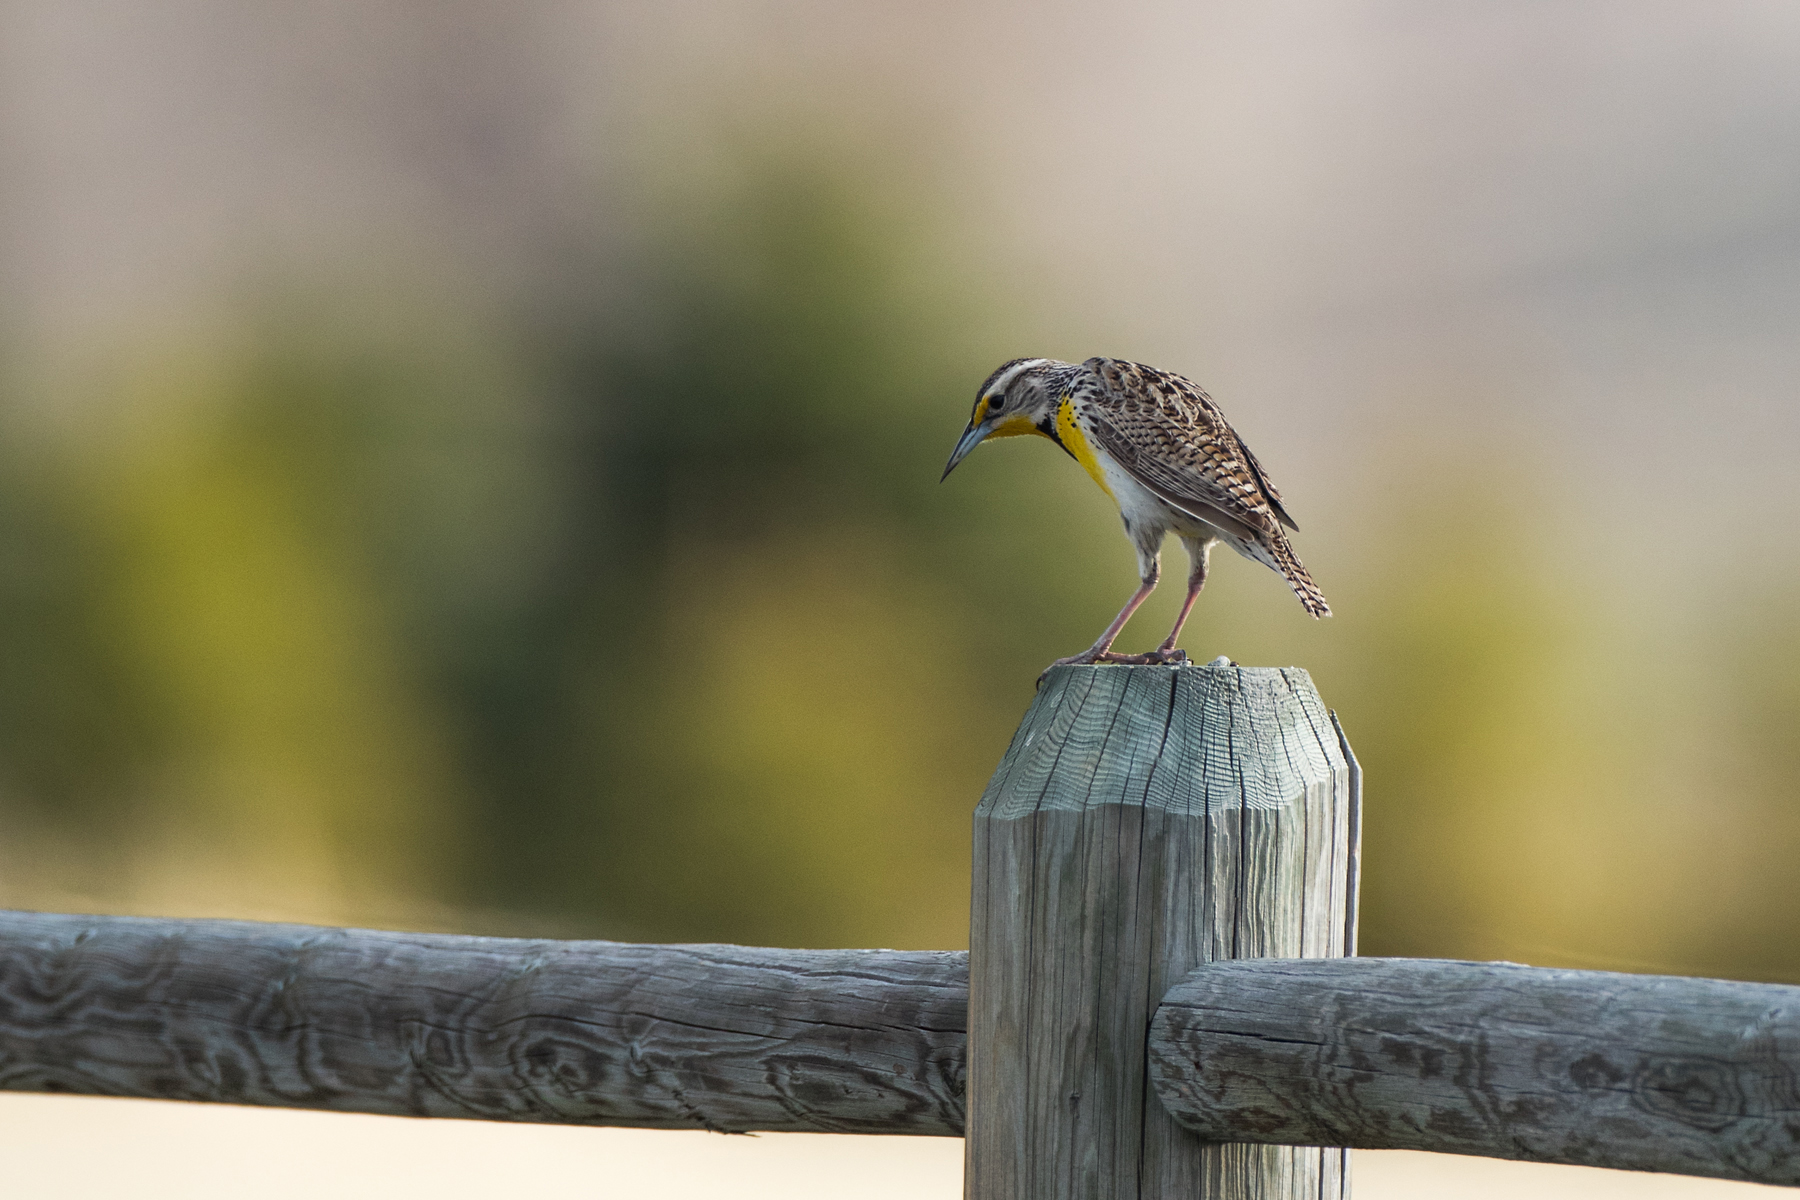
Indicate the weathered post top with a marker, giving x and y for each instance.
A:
(1223, 735)
(1145, 820)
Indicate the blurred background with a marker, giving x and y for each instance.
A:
(473, 466)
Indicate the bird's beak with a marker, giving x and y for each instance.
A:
(970, 439)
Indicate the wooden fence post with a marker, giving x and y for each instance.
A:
(1145, 820)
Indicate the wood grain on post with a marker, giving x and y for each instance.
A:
(1145, 820)
(726, 1038)
(1640, 1072)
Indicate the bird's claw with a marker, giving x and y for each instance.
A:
(1161, 656)
(1084, 659)
(1152, 658)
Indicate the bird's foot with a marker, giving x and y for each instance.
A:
(1086, 658)
(1161, 656)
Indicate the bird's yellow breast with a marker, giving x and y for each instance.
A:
(1075, 441)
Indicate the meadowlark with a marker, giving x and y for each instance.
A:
(1160, 447)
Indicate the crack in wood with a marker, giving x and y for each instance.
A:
(1153, 818)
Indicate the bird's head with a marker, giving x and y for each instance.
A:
(1020, 398)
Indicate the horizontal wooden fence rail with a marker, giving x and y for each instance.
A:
(1692, 1076)
(673, 1037)
(1641, 1072)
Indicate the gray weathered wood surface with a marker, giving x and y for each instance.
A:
(1641, 1072)
(1145, 820)
(680, 1037)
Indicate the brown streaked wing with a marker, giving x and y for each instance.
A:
(1268, 488)
(1171, 437)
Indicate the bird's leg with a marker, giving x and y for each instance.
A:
(1197, 553)
(1099, 651)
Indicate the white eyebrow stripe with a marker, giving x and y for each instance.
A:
(1000, 385)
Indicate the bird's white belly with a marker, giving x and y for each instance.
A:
(1143, 511)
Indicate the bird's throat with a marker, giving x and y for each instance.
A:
(1072, 439)
(1016, 425)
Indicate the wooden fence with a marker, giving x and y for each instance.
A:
(1158, 1000)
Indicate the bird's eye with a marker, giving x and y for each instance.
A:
(993, 407)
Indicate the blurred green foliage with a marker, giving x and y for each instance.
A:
(650, 619)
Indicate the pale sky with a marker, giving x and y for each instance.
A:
(1571, 228)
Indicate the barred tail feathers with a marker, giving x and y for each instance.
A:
(1273, 551)
(1288, 563)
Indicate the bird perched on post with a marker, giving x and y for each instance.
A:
(1161, 448)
